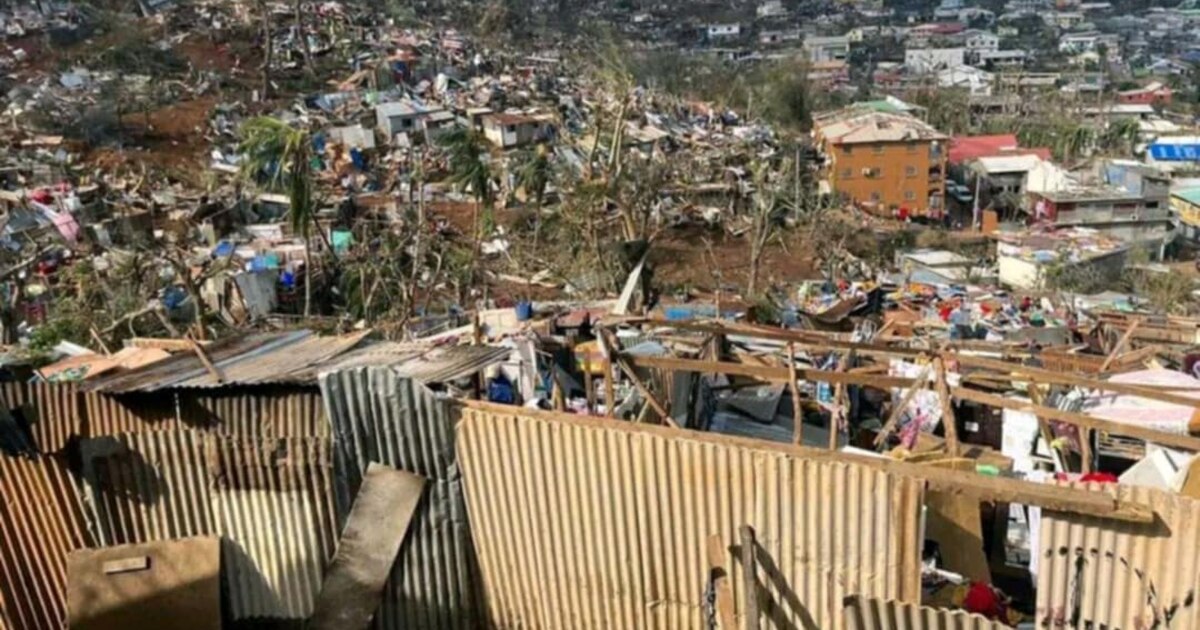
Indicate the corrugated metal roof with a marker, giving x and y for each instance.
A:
(262, 358)
(273, 503)
(868, 613)
(41, 522)
(450, 363)
(1103, 574)
(377, 416)
(591, 523)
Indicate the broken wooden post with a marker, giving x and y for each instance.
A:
(797, 409)
(894, 418)
(948, 419)
(1117, 349)
(749, 577)
(610, 401)
(719, 581)
(208, 364)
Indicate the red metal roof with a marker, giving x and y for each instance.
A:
(966, 148)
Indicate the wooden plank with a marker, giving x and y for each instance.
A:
(750, 620)
(1185, 442)
(948, 419)
(954, 522)
(650, 399)
(797, 409)
(366, 553)
(208, 364)
(894, 418)
(767, 373)
(610, 396)
(1120, 347)
(719, 579)
(1059, 378)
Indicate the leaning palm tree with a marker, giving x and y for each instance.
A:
(534, 175)
(280, 156)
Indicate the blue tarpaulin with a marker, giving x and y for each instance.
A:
(1175, 152)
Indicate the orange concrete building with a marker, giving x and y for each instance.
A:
(883, 161)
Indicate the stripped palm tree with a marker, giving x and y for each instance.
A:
(534, 175)
(279, 156)
(470, 172)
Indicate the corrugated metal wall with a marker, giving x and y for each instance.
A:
(262, 412)
(148, 486)
(868, 613)
(40, 523)
(52, 411)
(379, 417)
(59, 412)
(1097, 573)
(586, 523)
(273, 501)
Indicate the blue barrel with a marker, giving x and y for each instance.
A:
(524, 311)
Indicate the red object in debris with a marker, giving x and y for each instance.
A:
(944, 312)
(981, 599)
(903, 213)
(41, 195)
(1099, 477)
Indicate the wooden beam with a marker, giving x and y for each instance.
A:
(948, 419)
(984, 488)
(894, 418)
(841, 408)
(650, 399)
(1044, 376)
(797, 410)
(1185, 442)
(610, 397)
(746, 538)
(208, 364)
(1117, 349)
(170, 345)
(719, 579)
(802, 339)
(767, 373)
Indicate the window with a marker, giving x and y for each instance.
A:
(912, 147)
(910, 171)
(847, 173)
(406, 123)
(512, 129)
(878, 149)
(875, 196)
(847, 149)
(910, 195)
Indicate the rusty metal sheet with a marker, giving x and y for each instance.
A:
(52, 410)
(265, 411)
(590, 523)
(147, 486)
(41, 522)
(868, 613)
(1103, 574)
(261, 358)
(379, 417)
(175, 584)
(376, 527)
(272, 501)
(107, 415)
